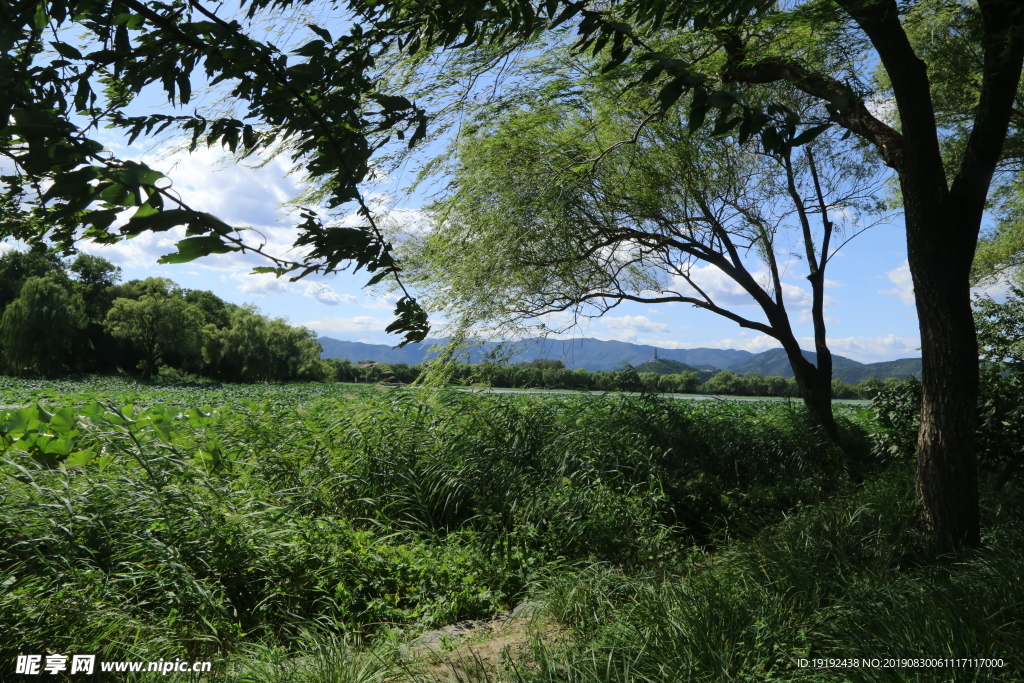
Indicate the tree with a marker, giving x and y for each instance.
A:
(253, 349)
(95, 279)
(1000, 252)
(724, 382)
(95, 271)
(577, 198)
(826, 50)
(41, 329)
(1001, 329)
(328, 99)
(947, 36)
(158, 326)
(17, 266)
(215, 310)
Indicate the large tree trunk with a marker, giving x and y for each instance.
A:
(943, 221)
(947, 470)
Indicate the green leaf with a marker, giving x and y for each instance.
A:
(93, 410)
(272, 270)
(411, 321)
(191, 248)
(392, 102)
(184, 88)
(322, 32)
(65, 50)
(63, 420)
(40, 17)
(157, 222)
(809, 134)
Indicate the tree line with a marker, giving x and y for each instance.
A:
(62, 316)
(552, 374)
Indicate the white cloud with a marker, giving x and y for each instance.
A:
(871, 349)
(381, 301)
(761, 342)
(884, 108)
(796, 297)
(998, 290)
(904, 284)
(722, 289)
(7, 245)
(326, 295)
(629, 326)
(141, 251)
(727, 293)
(210, 180)
(359, 323)
(261, 284)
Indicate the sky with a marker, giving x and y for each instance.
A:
(869, 304)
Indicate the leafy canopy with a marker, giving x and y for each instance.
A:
(72, 67)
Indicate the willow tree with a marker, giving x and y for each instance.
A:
(578, 198)
(868, 63)
(41, 330)
(157, 326)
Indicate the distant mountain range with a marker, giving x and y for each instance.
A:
(594, 354)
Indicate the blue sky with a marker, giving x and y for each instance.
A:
(870, 302)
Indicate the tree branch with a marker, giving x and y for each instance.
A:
(852, 114)
(621, 296)
(1003, 22)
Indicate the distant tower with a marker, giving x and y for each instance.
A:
(655, 353)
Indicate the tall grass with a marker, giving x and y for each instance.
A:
(296, 542)
(839, 581)
(192, 533)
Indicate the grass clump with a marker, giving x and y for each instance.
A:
(137, 532)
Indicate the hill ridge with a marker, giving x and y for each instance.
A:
(596, 354)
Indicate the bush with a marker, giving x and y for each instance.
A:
(897, 408)
(1000, 426)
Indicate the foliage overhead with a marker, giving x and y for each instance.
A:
(1001, 328)
(60, 91)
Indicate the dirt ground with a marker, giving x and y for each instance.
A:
(454, 653)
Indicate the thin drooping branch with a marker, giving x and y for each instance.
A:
(622, 296)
